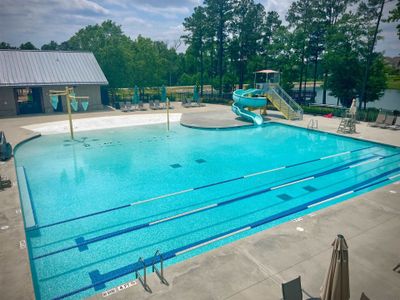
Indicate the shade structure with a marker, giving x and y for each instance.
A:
(195, 93)
(135, 98)
(353, 107)
(336, 285)
(163, 94)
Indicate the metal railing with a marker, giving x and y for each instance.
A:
(293, 105)
(159, 272)
(143, 279)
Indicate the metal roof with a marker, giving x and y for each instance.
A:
(35, 68)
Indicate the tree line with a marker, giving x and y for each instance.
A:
(331, 41)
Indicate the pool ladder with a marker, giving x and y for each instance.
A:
(158, 271)
(313, 124)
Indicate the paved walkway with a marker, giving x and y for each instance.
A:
(254, 267)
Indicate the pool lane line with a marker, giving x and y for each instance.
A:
(190, 190)
(81, 243)
(99, 280)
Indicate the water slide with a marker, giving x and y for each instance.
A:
(246, 98)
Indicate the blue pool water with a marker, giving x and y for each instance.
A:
(234, 184)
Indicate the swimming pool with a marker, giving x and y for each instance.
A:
(93, 206)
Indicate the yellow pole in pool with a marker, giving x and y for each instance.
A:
(71, 128)
(167, 113)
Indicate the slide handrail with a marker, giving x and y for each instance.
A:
(289, 101)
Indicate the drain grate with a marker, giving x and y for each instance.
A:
(200, 161)
(310, 188)
(175, 166)
(285, 197)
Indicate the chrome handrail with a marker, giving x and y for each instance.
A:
(160, 273)
(143, 280)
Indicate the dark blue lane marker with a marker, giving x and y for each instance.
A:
(175, 166)
(198, 210)
(310, 188)
(189, 190)
(200, 161)
(99, 280)
(285, 197)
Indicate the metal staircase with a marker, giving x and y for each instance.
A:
(284, 103)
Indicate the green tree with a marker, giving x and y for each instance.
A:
(246, 30)
(333, 11)
(113, 50)
(299, 17)
(273, 35)
(27, 46)
(219, 13)
(196, 27)
(371, 13)
(4, 45)
(50, 46)
(377, 80)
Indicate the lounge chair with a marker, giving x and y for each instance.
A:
(4, 183)
(198, 103)
(188, 103)
(380, 119)
(129, 106)
(141, 106)
(396, 125)
(157, 105)
(152, 105)
(122, 107)
(292, 290)
(388, 121)
(5, 148)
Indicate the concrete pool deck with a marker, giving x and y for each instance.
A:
(253, 267)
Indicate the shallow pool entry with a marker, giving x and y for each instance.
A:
(93, 206)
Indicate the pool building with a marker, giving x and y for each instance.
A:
(27, 76)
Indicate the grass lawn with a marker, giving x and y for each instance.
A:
(393, 82)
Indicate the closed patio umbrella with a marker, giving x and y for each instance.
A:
(135, 95)
(163, 94)
(336, 283)
(195, 93)
(353, 108)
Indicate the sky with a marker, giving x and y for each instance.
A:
(40, 21)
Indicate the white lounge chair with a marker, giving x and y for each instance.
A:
(396, 125)
(380, 119)
(122, 107)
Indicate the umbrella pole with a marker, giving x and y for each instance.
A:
(167, 114)
(71, 128)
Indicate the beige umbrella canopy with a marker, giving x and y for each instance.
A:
(336, 283)
(353, 107)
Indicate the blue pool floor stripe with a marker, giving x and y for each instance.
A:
(81, 243)
(193, 189)
(99, 280)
